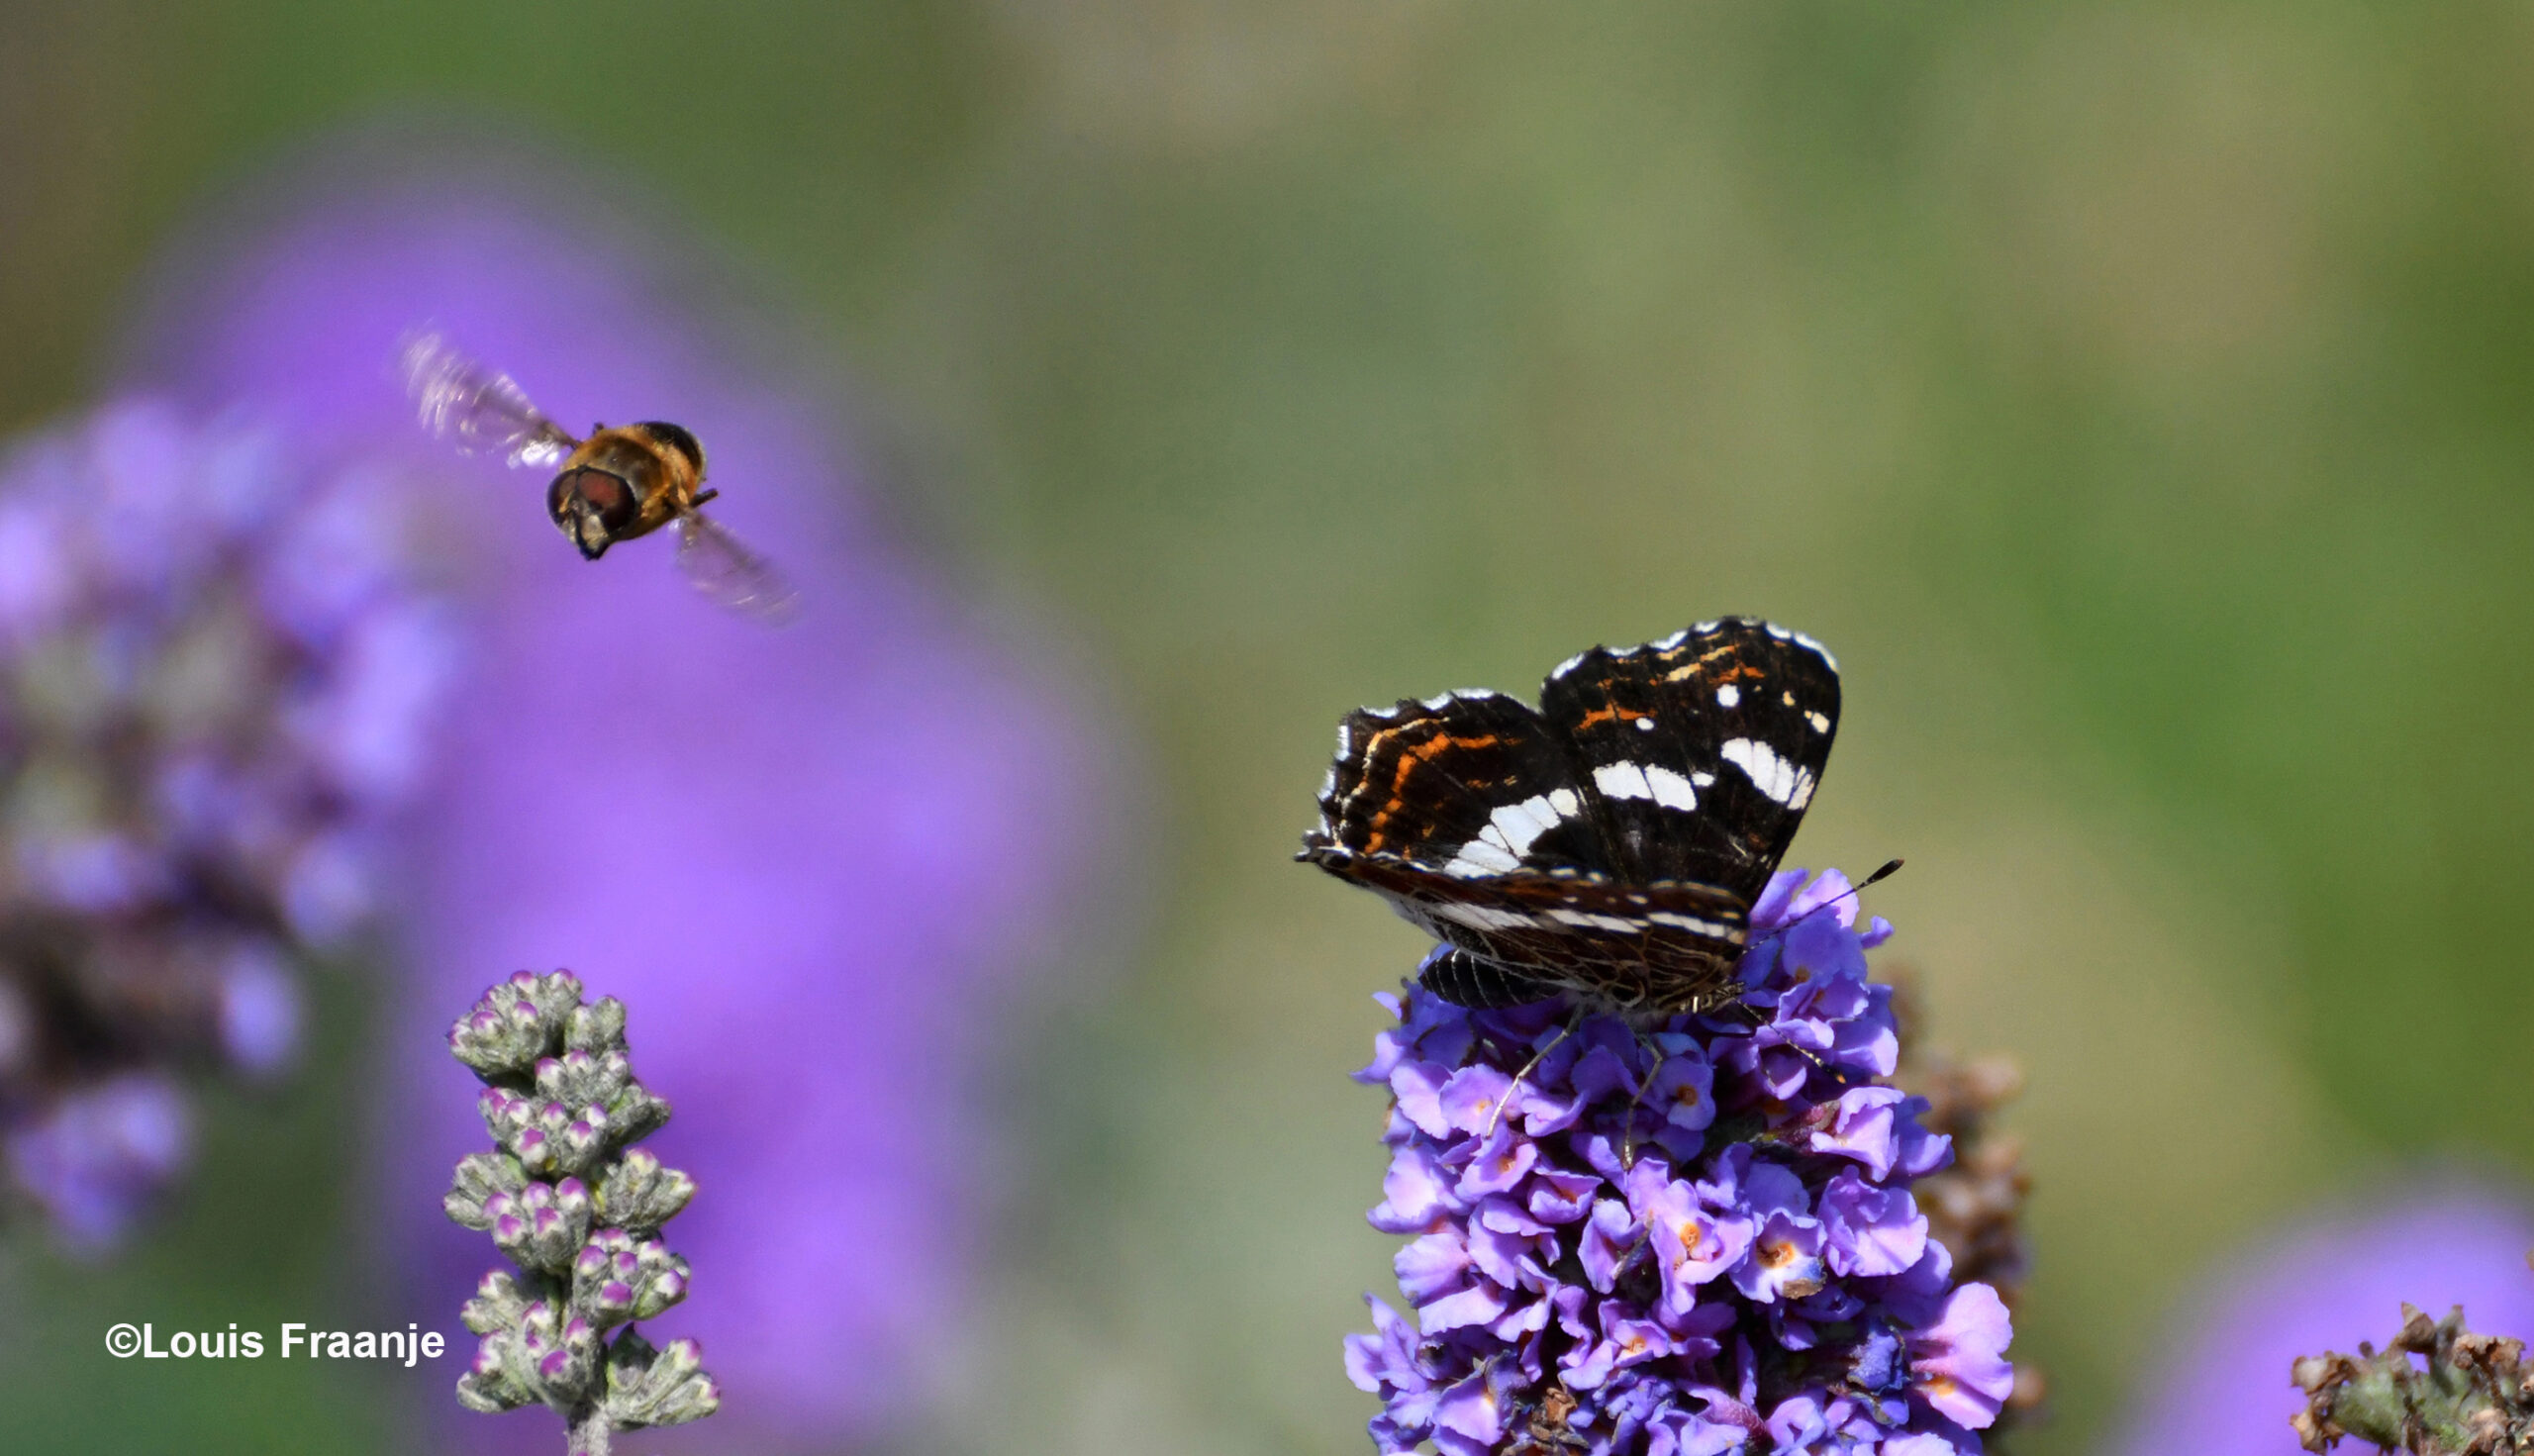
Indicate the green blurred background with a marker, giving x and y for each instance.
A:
(2135, 398)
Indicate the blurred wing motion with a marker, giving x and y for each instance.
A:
(729, 573)
(480, 411)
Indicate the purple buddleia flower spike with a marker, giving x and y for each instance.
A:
(216, 677)
(578, 1212)
(831, 861)
(1637, 1261)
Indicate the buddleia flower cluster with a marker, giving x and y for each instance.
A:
(1678, 1239)
(216, 671)
(577, 1210)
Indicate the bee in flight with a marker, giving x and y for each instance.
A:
(616, 485)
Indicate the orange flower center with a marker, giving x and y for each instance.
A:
(1691, 1232)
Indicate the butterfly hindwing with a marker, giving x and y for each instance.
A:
(1624, 945)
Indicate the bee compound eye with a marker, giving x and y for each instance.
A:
(600, 493)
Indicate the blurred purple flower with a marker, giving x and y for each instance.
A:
(824, 859)
(1610, 1259)
(93, 1156)
(196, 749)
(2335, 1282)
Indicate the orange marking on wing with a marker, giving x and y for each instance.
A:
(1407, 761)
(1612, 713)
(1737, 672)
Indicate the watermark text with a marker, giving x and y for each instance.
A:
(298, 1341)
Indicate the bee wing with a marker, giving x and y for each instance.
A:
(729, 573)
(481, 411)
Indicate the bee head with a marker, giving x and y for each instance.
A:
(592, 507)
(678, 439)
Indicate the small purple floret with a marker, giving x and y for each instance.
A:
(1960, 1364)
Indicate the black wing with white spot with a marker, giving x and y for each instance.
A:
(1467, 785)
(1702, 749)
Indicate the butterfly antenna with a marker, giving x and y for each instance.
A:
(1889, 868)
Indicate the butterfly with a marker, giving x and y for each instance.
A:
(1608, 843)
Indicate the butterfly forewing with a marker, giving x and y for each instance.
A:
(1466, 785)
(1702, 749)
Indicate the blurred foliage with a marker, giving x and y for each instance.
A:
(2135, 397)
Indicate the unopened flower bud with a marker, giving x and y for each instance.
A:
(637, 1114)
(581, 1078)
(617, 1278)
(662, 1387)
(503, 1113)
(540, 1225)
(515, 1024)
(479, 1177)
(498, 1304)
(598, 1027)
(639, 1195)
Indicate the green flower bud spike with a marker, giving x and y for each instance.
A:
(577, 1211)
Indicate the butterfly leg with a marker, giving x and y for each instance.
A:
(1627, 1138)
(1571, 1022)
